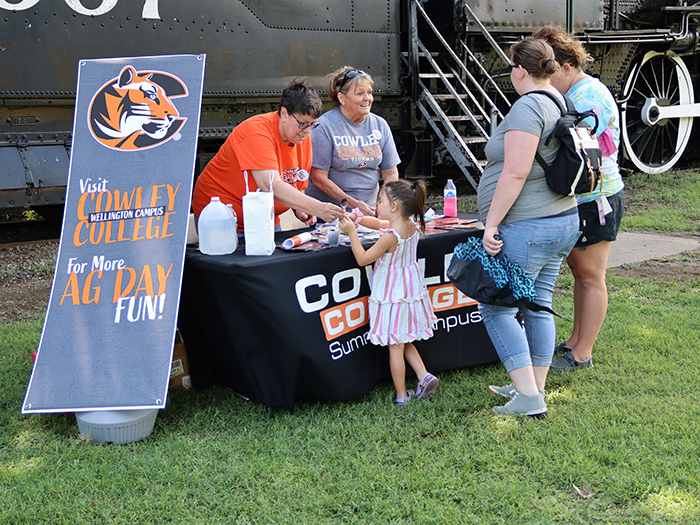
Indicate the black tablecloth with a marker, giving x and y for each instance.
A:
(256, 324)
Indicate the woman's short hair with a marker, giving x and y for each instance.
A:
(298, 98)
(342, 79)
(535, 56)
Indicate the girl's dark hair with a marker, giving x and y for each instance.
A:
(567, 50)
(300, 99)
(536, 56)
(410, 196)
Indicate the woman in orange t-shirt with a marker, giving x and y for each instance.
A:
(273, 145)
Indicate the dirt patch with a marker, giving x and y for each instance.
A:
(27, 301)
(679, 267)
(26, 274)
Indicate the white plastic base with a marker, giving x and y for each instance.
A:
(116, 426)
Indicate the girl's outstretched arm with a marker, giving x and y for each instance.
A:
(364, 257)
(374, 223)
(368, 221)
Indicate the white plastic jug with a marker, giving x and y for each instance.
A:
(234, 219)
(217, 234)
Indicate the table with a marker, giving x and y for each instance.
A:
(295, 323)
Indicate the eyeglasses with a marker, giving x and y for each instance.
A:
(349, 76)
(511, 67)
(305, 125)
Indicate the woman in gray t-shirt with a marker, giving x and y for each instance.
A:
(352, 147)
(533, 226)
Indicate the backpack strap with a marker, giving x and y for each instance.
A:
(561, 107)
(564, 109)
(536, 307)
(569, 105)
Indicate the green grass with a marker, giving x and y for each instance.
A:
(627, 429)
(663, 203)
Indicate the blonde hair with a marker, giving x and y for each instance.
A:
(567, 50)
(336, 85)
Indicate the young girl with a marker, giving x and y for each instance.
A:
(399, 305)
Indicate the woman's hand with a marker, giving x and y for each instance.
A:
(365, 208)
(304, 217)
(329, 212)
(492, 240)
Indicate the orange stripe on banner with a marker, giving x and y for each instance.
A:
(346, 317)
(448, 297)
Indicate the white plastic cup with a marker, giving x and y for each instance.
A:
(334, 238)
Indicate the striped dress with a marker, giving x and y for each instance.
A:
(399, 305)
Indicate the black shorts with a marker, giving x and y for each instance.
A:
(589, 223)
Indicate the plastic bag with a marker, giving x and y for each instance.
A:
(259, 220)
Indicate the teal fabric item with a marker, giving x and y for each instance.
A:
(493, 278)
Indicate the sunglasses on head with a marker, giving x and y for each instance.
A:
(349, 75)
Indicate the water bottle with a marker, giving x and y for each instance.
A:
(217, 235)
(234, 219)
(450, 199)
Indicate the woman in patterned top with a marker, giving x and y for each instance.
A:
(600, 211)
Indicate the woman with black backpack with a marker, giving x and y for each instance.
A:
(528, 222)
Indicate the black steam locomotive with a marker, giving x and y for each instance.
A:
(438, 66)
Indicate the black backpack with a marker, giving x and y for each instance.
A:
(577, 167)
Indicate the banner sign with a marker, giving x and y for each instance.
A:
(110, 325)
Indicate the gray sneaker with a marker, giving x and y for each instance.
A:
(561, 347)
(522, 405)
(568, 363)
(507, 391)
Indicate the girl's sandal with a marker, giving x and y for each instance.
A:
(403, 401)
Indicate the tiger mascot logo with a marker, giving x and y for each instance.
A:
(135, 111)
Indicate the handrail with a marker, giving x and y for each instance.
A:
(416, 42)
(491, 81)
(486, 33)
(465, 82)
(448, 48)
(453, 92)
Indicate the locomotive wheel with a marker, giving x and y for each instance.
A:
(655, 148)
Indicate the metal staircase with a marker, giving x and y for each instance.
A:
(454, 93)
